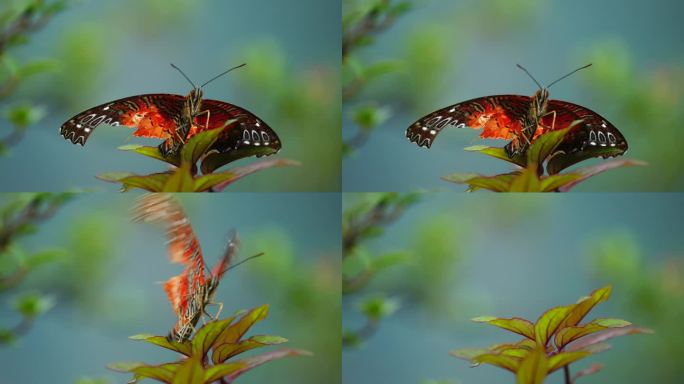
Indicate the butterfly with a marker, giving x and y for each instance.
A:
(193, 290)
(522, 119)
(175, 119)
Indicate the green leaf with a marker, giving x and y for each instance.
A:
(584, 305)
(182, 348)
(518, 325)
(37, 66)
(498, 183)
(587, 172)
(544, 145)
(235, 331)
(526, 181)
(24, 115)
(510, 363)
(125, 366)
(498, 153)
(152, 183)
(548, 323)
(560, 160)
(180, 180)
(370, 116)
(377, 308)
(556, 182)
(207, 335)
(569, 334)
(7, 336)
(200, 143)
(224, 352)
(164, 372)
(190, 371)
(32, 305)
(562, 359)
(219, 181)
(152, 152)
(231, 371)
(533, 368)
(214, 161)
(46, 257)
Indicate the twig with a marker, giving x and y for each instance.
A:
(566, 372)
(369, 25)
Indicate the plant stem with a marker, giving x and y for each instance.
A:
(566, 372)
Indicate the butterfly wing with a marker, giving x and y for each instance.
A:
(246, 131)
(183, 246)
(593, 132)
(153, 114)
(499, 117)
(224, 263)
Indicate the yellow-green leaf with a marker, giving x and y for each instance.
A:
(190, 371)
(569, 334)
(498, 183)
(182, 348)
(498, 153)
(555, 182)
(231, 371)
(584, 305)
(163, 372)
(235, 331)
(533, 368)
(152, 183)
(548, 323)
(199, 144)
(180, 180)
(562, 359)
(152, 152)
(516, 324)
(526, 181)
(214, 161)
(544, 145)
(507, 362)
(207, 335)
(220, 370)
(224, 352)
(220, 180)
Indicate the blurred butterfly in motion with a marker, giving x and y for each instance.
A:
(193, 290)
(175, 119)
(521, 119)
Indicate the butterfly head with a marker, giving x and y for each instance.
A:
(540, 100)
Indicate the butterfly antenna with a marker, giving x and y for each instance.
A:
(530, 75)
(245, 260)
(223, 73)
(586, 66)
(184, 75)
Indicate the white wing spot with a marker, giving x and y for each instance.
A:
(86, 130)
(105, 108)
(78, 125)
(432, 132)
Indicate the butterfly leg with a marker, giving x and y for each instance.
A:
(208, 113)
(218, 312)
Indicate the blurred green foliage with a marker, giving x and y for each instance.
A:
(21, 216)
(309, 288)
(654, 293)
(652, 104)
(18, 20)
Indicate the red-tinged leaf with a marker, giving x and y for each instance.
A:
(235, 331)
(562, 359)
(510, 363)
(533, 368)
(219, 181)
(597, 338)
(553, 183)
(214, 161)
(520, 326)
(587, 172)
(560, 160)
(526, 181)
(586, 372)
(224, 352)
(544, 145)
(152, 152)
(200, 143)
(519, 349)
(206, 336)
(152, 183)
(585, 304)
(182, 348)
(569, 334)
(548, 323)
(181, 180)
(249, 363)
(498, 183)
(190, 371)
(498, 153)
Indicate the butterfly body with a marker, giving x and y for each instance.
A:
(521, 119)
(194, 289)
(175, 119)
